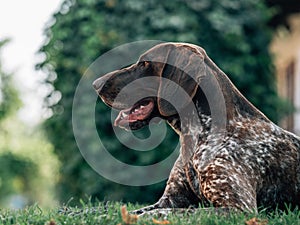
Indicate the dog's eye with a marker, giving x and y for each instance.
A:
(145, 63)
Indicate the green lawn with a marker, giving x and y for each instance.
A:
(94, 214)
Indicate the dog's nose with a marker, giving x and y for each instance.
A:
(97, 84)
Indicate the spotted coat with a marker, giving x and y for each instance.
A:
(250, 164)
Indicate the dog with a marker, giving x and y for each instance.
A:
(242, 162)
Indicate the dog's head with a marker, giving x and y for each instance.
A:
(162, 82)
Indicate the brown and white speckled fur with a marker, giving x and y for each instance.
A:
(255, 164)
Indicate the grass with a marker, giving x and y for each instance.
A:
(110, 213)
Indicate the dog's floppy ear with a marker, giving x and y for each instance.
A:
(182, 70)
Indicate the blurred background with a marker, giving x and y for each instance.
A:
(46, 46)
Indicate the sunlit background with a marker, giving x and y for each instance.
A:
(28, 167)
(23, 23)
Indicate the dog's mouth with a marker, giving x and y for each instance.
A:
(139, 112)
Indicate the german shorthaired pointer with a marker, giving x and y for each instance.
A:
(254, 164)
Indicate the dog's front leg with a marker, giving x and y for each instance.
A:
(177, 194)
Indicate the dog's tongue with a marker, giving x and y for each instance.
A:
(131, 115)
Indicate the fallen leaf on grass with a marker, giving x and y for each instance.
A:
(160, 222)
(51, 222)
(256, 221)
(126, 217)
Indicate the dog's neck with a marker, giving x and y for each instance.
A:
(195, 126)
(195, 122)
(236, 105)
(192, 128)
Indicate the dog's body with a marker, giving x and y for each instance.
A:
(248, 163)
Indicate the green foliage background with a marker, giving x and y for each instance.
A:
(9, 99)
(28, 166)
(234, 33)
